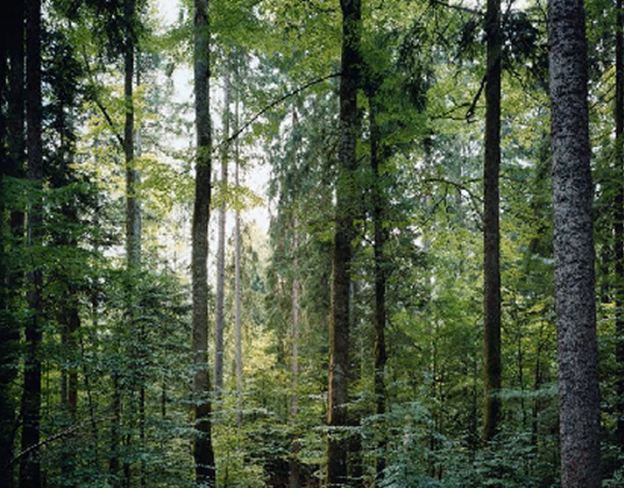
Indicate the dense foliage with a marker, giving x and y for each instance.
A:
(114, 352)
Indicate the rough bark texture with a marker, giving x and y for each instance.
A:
(337, 443)
(30, 471)
(618, 219)
(380, 281)
(220, 298)
(202, 446)
(574, 247)
(491, 236)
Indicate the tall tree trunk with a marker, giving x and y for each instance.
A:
(15, 136)
(294, 468)
(380, 281)
(220, 298)
(30, 471)
(294, 476)
(337, 445)
(237, 281)
(491, 231)
(574, 248)
(133, 217)
(203, 454)
(618, 220)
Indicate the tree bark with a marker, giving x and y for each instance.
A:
(133, 216)
(13, 130)
(220, 298)
(30, 470)
(574, 248)
(337, 418)
(618, 220)
(294, 472)
(238, 336)
(380, 282)
(491, 231)
(205, 473)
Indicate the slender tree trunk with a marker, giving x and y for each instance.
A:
(618, 220)
(205, 473)
(15, 135)
(133, 217)
(491, 231)
(30, 471)
(380, 282)
(237, 285)
(294, 476)
(337, 418)
(220, 298)
(574, 248)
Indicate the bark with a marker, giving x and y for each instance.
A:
(294, 471)
(13, 130)
(380, 282)
(337, 418)
(133, 217)
(220, 298)
(202, 449)
(30, 471)
(618, 220)
(237, 286)
(491, 232)
(574, 248)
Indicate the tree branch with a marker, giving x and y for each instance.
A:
(273, 104)
(98, 102)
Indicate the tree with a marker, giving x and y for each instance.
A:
(220, 295)
(491, 227)
(574, 247)
(202, 449)
(618, 217)
(346, 198)
(30, 471)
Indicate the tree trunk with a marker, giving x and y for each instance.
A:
(205, 473)
(346, 198)
(380, 282)
(220, 298)
(574, 248)
(491, 232)
(237, 284)
(618, 221)
(133, 217)
(30, 471)
(13, 126)
(294, 471)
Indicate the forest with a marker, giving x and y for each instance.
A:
(312, 243)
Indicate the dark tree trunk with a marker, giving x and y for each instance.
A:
(337, 444)
(202, 448)
(491, 231)
(220, 298)
(30, 471)
(133, 217)
(618, 220)
(380, 281)
(13, 131)
(574, 248)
